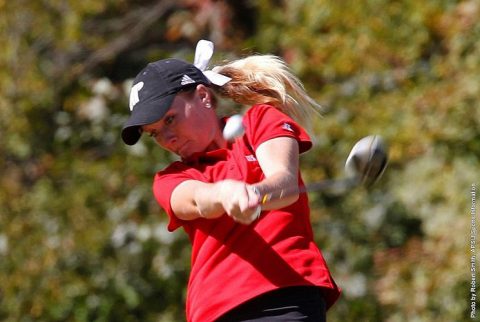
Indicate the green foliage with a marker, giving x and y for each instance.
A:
(81, 237)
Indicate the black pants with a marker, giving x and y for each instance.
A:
(297, 303)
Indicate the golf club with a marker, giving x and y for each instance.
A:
(364, 166)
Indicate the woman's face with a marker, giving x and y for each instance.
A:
(188, 126)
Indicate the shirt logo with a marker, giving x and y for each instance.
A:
(134, 94)
(287, 127)
(186, 80)
(250, 158)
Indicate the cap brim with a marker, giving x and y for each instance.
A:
(147, 113)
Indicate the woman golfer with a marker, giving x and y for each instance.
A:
(246, 265)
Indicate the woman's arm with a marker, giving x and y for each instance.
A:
(194, 199)
(278, 159)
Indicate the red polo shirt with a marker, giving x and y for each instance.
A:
(232, 263)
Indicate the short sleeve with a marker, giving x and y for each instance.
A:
(164, 183)
(264, 122)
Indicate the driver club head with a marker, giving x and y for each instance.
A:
(367, 160)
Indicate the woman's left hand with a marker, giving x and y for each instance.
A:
(239, 200)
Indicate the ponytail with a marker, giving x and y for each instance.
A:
(266, 79)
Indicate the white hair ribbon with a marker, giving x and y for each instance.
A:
(203, 53)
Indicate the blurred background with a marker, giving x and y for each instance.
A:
(81, 236)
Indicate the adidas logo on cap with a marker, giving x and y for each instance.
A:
(186, 80)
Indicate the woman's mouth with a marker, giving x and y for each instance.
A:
(182, 150)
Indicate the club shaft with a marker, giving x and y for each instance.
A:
(325, 185)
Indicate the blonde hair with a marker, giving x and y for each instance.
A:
(266, 79)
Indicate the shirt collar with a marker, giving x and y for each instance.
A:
(207, 157)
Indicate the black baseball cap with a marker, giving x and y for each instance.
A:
(154, 90)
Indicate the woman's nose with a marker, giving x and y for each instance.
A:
(167, 138)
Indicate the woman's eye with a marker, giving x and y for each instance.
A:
(169, 120)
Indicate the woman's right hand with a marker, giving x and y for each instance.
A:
(239, 200)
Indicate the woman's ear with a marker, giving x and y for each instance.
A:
(204, 95)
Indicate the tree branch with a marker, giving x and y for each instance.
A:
(127, 38)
